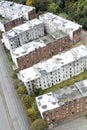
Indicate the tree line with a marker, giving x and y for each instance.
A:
(75, 10)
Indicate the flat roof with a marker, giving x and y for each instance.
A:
(67, 94)
(59, 21)
(82, 86)
(21, 28)
(36, 44)
(15, 6)
(6, 20)
(54, 63)
(46, 102)
(59, 97)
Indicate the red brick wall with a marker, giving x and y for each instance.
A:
(44, 53)
(77, 35)
(32, 14)
(66, 110)
(13, 23)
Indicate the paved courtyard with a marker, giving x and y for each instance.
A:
(76, 124)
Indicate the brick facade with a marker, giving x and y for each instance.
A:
(13, 23)
(77, 35)
(32, 14)
(66, 110)
(43, 53)
(18, 21)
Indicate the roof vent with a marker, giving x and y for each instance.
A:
(54, 103)
(23, 52)
(62, 62)
(39, 103)
(12, 4)
(44, 106)
(17, 54)
(49, 94)
(39, 98)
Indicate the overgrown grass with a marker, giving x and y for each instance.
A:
(64, 15)
(1, 34)
(68, 82)
(10, 62)
(85, 116)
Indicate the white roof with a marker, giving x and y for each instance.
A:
(13, 10)
(15, 6)
(61, 22)
(36, 44)
(46, 102)
(82, 86)
(27, 48)
(56, 62)
(21, 28)
(59, 97)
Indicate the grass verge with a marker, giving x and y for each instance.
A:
(68, 82)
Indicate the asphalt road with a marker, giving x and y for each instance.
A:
(17, 117)
(4, 124)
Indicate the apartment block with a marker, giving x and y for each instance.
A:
(56, 69)
(13, 14)
(53, 22)
(10, 10)
(6, 24)
(24, 33)
(63, 103)
(40, 49)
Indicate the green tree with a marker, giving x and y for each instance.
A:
(30, 2)
(32, 113)
(77, 11)
(21, 90)
(53, 7)
(36, 92)
(39, 124)
(27, 101)
(41, 5)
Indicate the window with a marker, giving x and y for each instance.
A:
(29, 89)
(59, 79)
(63, 76)
(44, 85)
(51, 73)
(72, 113)
(70, 75)
(29, 86)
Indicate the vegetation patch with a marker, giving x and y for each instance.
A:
(68, 82)
(75, 10)
(86, 116)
